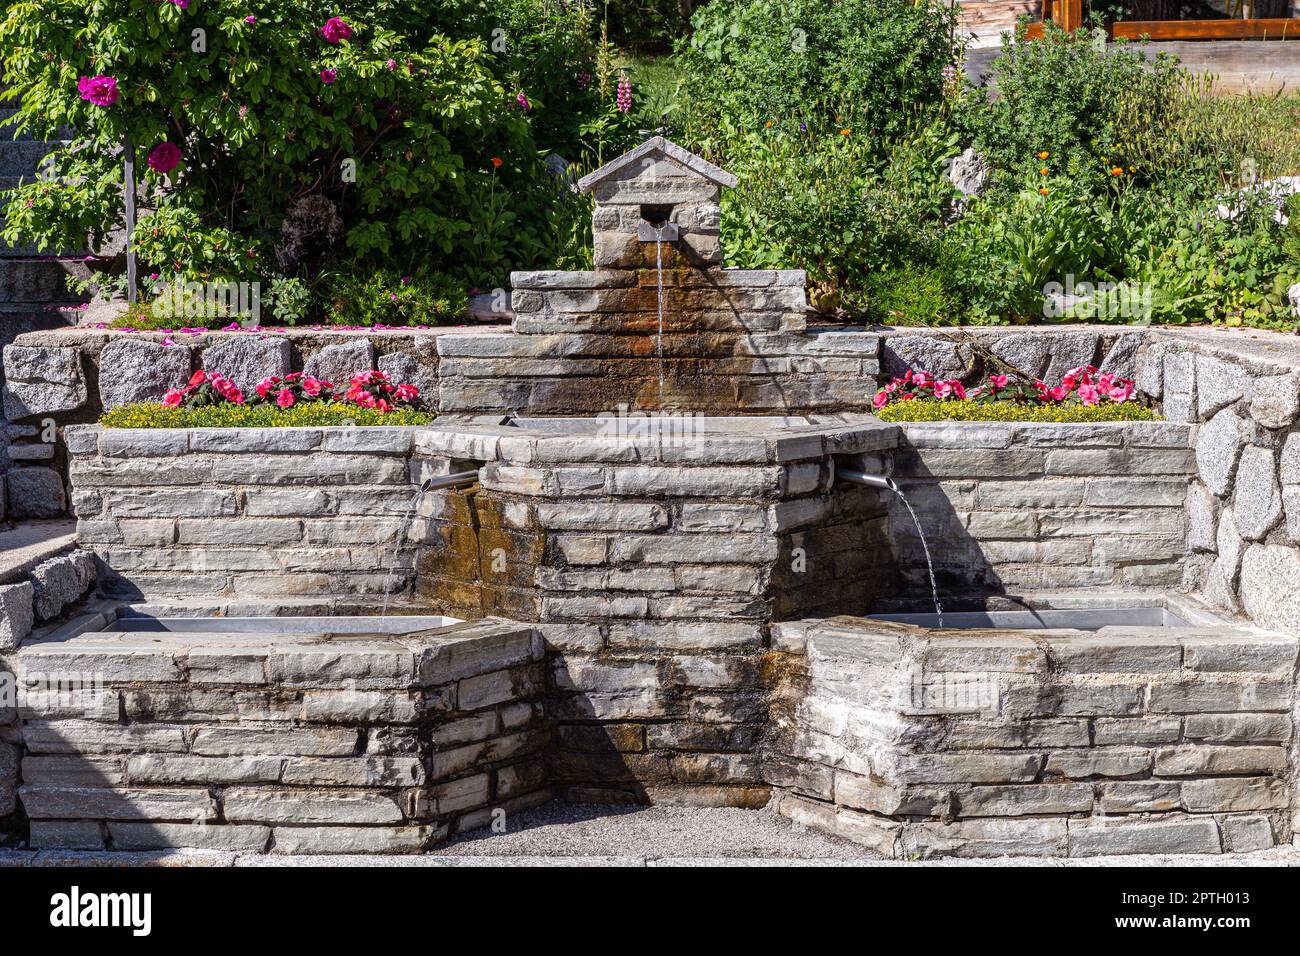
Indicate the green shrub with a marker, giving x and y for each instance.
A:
(150, 415)
(388, 298)
(280, 172)
(926, 410)
(872, 66)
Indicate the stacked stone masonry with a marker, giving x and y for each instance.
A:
(1041, 507)
(1124, 740)
(365, 743)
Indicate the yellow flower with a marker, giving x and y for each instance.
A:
(845, 132)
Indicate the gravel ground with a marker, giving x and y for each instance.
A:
(569, 830)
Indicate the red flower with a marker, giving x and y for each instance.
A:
(285, 398)
(198, 378)
(173, 398)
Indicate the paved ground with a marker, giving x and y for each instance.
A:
(24, 546)
(568, 835)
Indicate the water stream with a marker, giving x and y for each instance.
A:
(401, 536)
(929, 564)
(659, 339)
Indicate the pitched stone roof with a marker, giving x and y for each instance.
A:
(657, 144)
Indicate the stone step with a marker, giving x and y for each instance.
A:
(7, 133)
(22, 157)
(40, 280)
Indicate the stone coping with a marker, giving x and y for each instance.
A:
(489, 438)
(83, 337)
(27, 545)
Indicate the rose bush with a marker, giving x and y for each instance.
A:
(304, 136)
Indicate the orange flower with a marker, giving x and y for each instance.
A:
(1043, 155)
(1044, 171)
(1044, 190)
(496, 162)
(845, 132)
(769, 124)
(1117, 171)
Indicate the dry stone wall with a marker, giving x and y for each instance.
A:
(1055, 743)
(1034, 507)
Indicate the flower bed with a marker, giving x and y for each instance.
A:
(150, 415)
(1085, 394)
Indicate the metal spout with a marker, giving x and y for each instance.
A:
(871, 481)
(456, 480)
(668, 232)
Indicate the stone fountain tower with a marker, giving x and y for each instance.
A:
(659, 323)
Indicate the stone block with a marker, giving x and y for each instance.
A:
(1098, 762)
(1140, 796)
(1247, 833)
(60, 581)
(1240, 653)
(136, 370)
(35, 492)
(1257, 502)
(1202, 518)
(941, 357)
(328, 840)
(75, 803)
(1175, 836)
(1025, 800)
(96, 737)
(1202, 695)
(246, 740)
(1275, 400)
(1141, 731)
(985, 838)
(255, 805)
(1238, 728)
(1270, 588)
(1207, 759)
(1230, 794)
(1219, 446)
(128, 835)
(337, 363)
(371, 771)
(66, 835)
(1218, 385)
(39, 380)
(174, 769)
(16, 614)
(246, 360)
(968, 768)
(1180, 387)
(1102, 654)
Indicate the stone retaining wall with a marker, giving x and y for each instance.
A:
(1053, 743)
(1243, 398)
(1033, 507)
(284, 512)
(248, 742)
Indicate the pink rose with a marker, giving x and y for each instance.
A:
(328, 75)
(100, 90)
(336, 30)
(285, 398)
(164, 157)
(173, 398)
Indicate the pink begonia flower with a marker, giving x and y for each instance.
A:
(164, 157)
(328, 75)
(998, 381)
(100, 90)
(958, 389)
(942, 389)
(285, 398)
(1089, 395)
(336, 30)
(1058, 394)
(250, 19)
(312, 386)
(173, 398)
(880, 401)
(1121, 392)
(391, 64)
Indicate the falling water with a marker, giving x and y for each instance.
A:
(934, 587)
(659, 339)
(401, 536)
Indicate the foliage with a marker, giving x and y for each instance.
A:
(870, 66)
(929, 410)
(267, 148)
(317, 414)
(289, 299)
(648, 26)
(384, 297)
